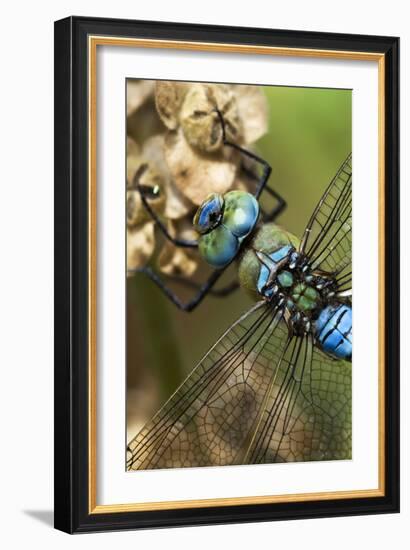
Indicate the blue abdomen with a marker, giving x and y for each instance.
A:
(334, 331)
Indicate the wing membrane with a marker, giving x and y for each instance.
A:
(280, 409)
(327, 239)
(309, 415)
(259, 396)
(210, 417)
(256, 397)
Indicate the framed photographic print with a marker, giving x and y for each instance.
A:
(213, 260)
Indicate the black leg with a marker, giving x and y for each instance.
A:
(266, 167)
(216, 292)
(204, 289)
(281, 203)
(262, 180)
(277, 209)
(207, 286)
(143, 190)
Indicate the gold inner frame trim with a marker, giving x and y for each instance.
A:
(93, 43)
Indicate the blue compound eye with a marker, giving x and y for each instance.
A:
(218, 247)
(241, 211)
(209, 214)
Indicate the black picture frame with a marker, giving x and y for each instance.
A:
(72, 513)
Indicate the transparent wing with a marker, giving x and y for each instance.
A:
(210, 418)
(327, 239)
(308, 416)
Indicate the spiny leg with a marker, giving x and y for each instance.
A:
(263, 179)
(271, 215)
(204, 289)
(265, 165)
(216, 292)
(280, 205)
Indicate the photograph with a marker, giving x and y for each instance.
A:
(209, 241)
(239, 274)
(204, 321)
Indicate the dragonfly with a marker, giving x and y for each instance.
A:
(276, 386)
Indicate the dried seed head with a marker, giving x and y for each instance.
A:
(178, 156)
(138, 91)
(140, 245)
(152, 188)
(176, 204)
(253, 111)
(196, 175)
(133, 159)
(200, 121)
(168, 99)
(145, 173)
(179, 261)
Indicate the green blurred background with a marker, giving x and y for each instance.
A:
(310, 134)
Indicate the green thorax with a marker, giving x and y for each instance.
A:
(267, 238)
(304, 297)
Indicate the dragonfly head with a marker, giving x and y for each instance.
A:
(209, 214)
(223, 222)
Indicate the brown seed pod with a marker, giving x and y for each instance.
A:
(133, 159)
(253, 111)
(197, 175)
(200, 121)
(154, 195)
(176, 204)
(179, 261)
(140, 245)
(168, 99)
(138, 91)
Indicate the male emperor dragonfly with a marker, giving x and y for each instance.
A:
(276, 387)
